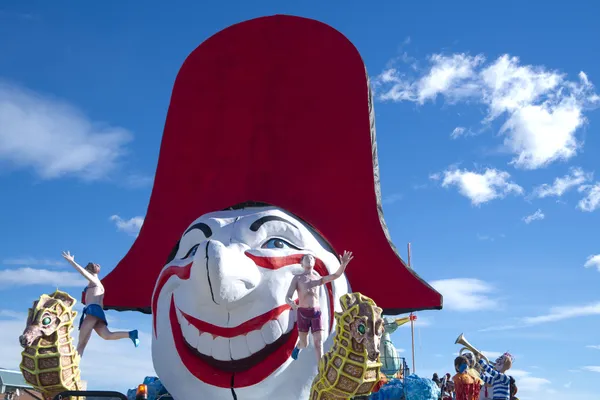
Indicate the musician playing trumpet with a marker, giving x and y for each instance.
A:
(496, 376)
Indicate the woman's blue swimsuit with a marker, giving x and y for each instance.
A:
(94, 310)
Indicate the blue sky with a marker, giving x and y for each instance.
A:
(471, 143)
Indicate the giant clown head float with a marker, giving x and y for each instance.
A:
(268, 153)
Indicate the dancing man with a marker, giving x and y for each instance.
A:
(92, 317)
(497, 378)
(308, 310)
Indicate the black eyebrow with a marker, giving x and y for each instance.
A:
(201, 226)
(259, 222)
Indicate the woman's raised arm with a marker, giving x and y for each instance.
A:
(71, 259)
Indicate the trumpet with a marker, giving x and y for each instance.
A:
(469, 347)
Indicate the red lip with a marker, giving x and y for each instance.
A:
(242, 329)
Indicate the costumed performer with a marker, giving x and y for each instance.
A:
(497, 378)
(308, 310)
(92, 317)
(466, 386)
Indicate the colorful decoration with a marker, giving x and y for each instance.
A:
(417, 388)
(351, 367)
(391, 362)
(268, 153)
(50, 362)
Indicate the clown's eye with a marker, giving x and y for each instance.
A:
(192, 251)
(278, 244)
(46, 321)
(362, 329)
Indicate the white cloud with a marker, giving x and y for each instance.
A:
(543, 111)
(593, 262)
(30, 277)
(479, 187)
(485, 237)
(55, 139)
(492, 355)
(591, 368)
(130, 226)
(562, 313)
(33, 261)
(555, 314)
(461, 131)
(465, 294)
(100, 361)
(391, 199)
(457, 132)
(595, 346)
(561, 185)
(536, 216)
(591, 201)
(568, 385)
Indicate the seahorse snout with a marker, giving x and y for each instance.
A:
(24, 341)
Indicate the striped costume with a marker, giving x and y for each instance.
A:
(500, 382)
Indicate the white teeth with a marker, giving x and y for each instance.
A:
(205, 342)
(285, 322)
(191, 334)
(220, 349)
(239, 348)
(271, 331)
(255, 341)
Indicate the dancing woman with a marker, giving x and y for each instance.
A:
(92, 317)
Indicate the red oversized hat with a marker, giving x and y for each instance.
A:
(276, 110)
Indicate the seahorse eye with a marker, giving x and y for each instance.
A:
(46, 321)
(362, 329)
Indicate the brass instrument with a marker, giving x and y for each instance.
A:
(469, 347)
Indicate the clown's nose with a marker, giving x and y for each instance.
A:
(231, 274)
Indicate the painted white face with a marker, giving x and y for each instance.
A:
(221, 324)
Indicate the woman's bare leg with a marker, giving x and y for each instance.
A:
(104, 333)
(85, 333)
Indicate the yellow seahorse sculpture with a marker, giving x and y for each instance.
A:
(50, 362)
(351, 367)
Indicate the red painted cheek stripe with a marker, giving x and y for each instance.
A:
(181, 272)
(275, 263)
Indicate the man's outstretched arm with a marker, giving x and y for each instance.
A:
(346, 258)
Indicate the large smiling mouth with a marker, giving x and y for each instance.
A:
(238, 348)
(192, 347)
(228, 362)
